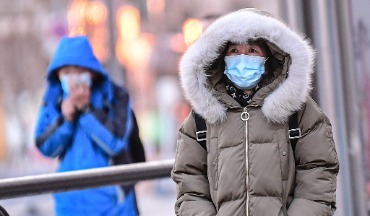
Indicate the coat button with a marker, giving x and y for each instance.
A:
(284, 153)
(214, 164)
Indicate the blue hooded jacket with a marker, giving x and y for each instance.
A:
(93, 139)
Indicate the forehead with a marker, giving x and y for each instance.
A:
(72, 69)
(249, 44)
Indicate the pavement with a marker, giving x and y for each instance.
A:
(156, 198)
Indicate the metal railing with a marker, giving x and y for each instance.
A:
(73, 180)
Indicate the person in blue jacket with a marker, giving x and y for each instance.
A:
(86, 121)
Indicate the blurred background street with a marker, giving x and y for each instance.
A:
(140, 43)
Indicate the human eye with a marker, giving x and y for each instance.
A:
(254, 50)
(232, 50)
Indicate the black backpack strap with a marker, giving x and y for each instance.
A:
(294, 130)
(201, 134)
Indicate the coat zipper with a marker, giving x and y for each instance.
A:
(245, 117)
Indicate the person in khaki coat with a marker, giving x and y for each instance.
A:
(245, 76)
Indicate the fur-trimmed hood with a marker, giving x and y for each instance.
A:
(238, 27)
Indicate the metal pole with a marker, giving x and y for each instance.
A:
(59, 182)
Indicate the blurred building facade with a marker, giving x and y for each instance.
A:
(141, 41)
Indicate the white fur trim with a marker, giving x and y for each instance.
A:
(238, 27)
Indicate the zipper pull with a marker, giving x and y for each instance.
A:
(245, 115)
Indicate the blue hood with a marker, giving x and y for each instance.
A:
(74, 51)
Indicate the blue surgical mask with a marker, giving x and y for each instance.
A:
(65, 85)
(245, 71)
(83, 78)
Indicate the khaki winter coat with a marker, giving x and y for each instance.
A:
(249, 167)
